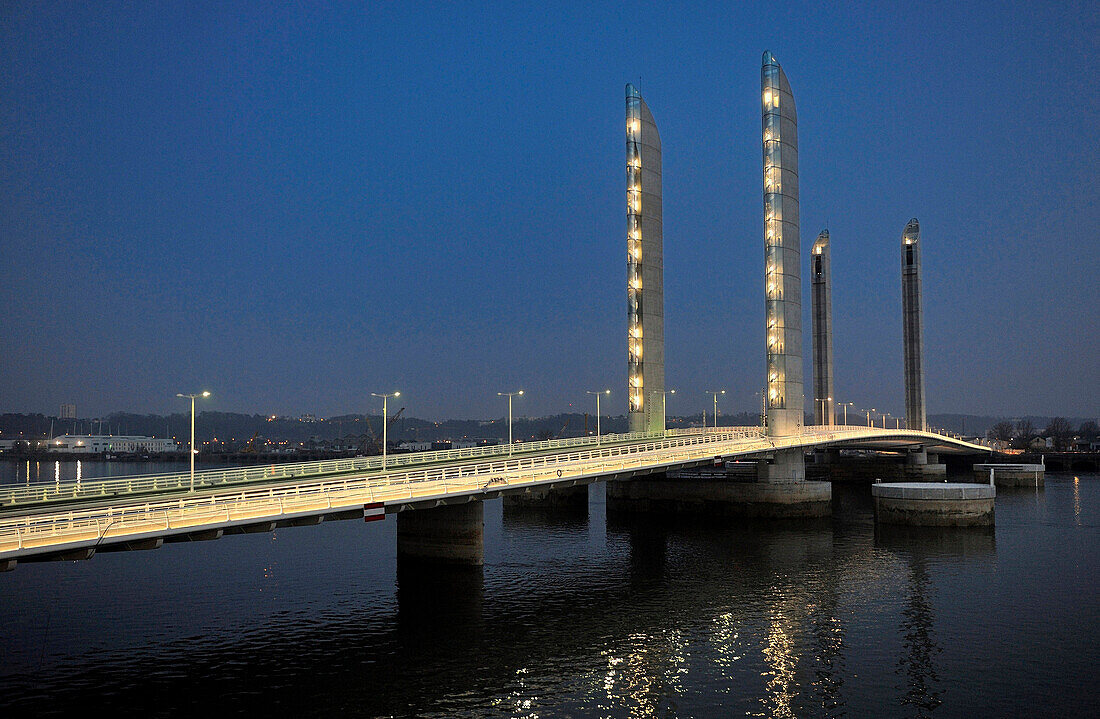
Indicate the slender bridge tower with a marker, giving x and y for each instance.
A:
(780, 488)
(786, 471)
(645, 300)
(822, 300)
(913, 325)
(783, 291)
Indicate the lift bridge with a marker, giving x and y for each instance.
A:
(75, 520)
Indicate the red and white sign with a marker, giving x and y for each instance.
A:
(374, 511)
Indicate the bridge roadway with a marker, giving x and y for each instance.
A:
(74, 520)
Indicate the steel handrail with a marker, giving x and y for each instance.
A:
(525, 469)
(191, 510)
(47, 491)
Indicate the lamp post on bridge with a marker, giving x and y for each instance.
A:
(846, 405)
(825, 420)
(192, 397)
(510, 395)
(664, 397)
(385, 422)
(597, 393)
(869, 411)
(715, 392)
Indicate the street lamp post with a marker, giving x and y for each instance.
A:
(192, 446)
(664, 415)
(825, 420)
(715, 392)
(606, 391)
(869, 411)
(510, 395)
(846, 405)
(385, 422)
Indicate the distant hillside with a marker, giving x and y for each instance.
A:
(238, 428)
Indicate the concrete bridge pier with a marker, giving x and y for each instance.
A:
(447, 534)
(920, 464)
(775, 488)
(1011, 475)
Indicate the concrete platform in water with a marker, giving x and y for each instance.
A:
(1011, 475)
(934, 504)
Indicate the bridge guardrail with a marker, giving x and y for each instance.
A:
(191, 511)
(314, 496)
(40, 492)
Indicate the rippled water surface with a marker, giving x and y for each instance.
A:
(580, 615)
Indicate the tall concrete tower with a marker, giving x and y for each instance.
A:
(644, 269)
(913, 325)
(783, 291)
(822, 300)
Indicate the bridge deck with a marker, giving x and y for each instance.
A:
(65, 529)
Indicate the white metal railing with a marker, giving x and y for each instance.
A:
(47, 492)
(319, 495)
(42, 492)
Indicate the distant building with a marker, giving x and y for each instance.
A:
(101, 443)
(68, 411)
(1041, 443)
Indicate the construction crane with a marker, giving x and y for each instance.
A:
(370, 440)
(250, 446)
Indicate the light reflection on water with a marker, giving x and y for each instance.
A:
(578, 615)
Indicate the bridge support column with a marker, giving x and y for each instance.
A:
(449, 534)
(920, 465)
(779, 491)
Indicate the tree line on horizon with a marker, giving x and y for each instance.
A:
(1021, 433)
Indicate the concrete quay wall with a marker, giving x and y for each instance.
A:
(549, 498)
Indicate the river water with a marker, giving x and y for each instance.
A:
(578, 615)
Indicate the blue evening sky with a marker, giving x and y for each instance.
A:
(296, 206)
